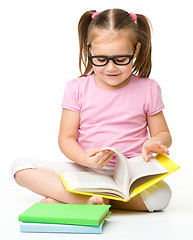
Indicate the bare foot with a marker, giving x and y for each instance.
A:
(97, 200)
(50, 200)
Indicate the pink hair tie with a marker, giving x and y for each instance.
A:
(134, 16)
(95, 14)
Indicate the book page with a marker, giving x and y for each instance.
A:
(121, 173)
(92, 182)
(140, 182)
(139, 168)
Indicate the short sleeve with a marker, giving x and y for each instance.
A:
(154, 103)
(71, 96)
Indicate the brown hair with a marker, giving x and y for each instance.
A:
(116, 19)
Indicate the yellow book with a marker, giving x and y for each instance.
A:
(131, 176)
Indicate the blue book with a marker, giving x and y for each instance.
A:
(59, 228)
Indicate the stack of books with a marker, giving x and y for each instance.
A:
(64, 218)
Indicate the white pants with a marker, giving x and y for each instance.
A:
(156, 197)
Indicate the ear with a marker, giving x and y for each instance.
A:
(137, 49)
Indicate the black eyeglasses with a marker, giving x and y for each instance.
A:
(120, 60)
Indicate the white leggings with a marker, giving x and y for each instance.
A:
(156, 197)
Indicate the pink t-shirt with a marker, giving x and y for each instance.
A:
(113, 118)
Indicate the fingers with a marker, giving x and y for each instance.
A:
(159, 148)
(93, 152)
(164, 149)
(103, 158)
(153, 147)
(145, 155)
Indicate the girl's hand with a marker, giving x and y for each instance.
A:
(151, 146)
(96, 158)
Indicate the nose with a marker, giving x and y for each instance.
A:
(111, 66)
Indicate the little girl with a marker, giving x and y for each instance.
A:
(108, 106)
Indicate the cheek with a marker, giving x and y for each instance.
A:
(97, 70)
(127, 70)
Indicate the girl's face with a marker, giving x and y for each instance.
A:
(112, 43)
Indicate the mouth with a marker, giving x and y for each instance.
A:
(112, 75)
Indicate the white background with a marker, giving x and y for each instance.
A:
(39, 54)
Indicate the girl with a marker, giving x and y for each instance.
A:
(107, 106)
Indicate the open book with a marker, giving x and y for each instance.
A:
(130, 177)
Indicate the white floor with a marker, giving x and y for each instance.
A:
(173, 223)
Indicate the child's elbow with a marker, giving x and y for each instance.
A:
(169, 140)
(60, 141)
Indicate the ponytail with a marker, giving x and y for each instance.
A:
(142, 65)
(83, 26)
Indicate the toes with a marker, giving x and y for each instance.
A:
(96, 200)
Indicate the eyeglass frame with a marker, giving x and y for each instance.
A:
(110, 58)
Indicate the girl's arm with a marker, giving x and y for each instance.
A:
(69, 146)
(160, 139)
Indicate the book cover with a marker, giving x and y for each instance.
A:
(60, 228)
(70, 214)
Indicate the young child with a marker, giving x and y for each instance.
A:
(108, 106)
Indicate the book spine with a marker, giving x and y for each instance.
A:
(83, 222)
(58, 228)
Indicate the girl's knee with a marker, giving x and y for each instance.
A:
(157, 197)
(19, 176)
(21, 164)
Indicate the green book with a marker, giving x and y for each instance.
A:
(72, 214)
